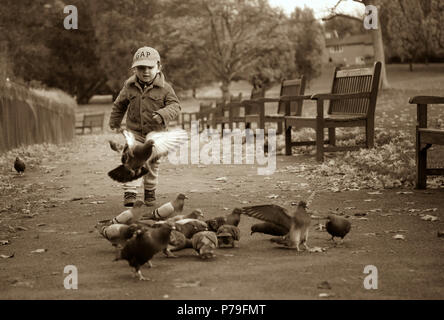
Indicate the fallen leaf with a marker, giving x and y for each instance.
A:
(4, 242)
(325, 295)
(317, 249)
(399, 237)
(404, 192)
(375, 192)
(360, 214)
(369, 200)
(97, 202)
(428, 217)
(21, 228)
(272, 196)
(7, 257)
(39, 251)
(370, 234)
(187, 284)
(324, 285)
(223, 179)
(165, 296)
(431, 209)
(76, 198)
(440, 234)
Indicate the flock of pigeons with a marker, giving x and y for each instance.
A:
(138, 234)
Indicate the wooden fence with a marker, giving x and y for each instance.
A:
(27, 118)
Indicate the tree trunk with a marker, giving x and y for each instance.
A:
(194, 93)
(378, 47)
(411, 65)
(225, 88)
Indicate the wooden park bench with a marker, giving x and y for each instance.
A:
(352, 104)
(90, 121)
(222, 112)
(425, 138)
(255, 108)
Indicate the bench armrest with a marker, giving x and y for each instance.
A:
(426, 100)
(294, 98)
(339, 96)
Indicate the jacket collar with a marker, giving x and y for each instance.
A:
(159, 81)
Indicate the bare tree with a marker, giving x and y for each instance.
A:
(378, 45)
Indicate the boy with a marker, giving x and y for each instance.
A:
(150, 103)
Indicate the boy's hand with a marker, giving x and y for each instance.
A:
(157, 118)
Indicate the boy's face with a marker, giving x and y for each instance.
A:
(147, 73)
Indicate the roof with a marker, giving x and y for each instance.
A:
(357, 39)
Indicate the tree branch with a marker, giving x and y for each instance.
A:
(341, 15)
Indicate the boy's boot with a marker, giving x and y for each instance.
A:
(150, 197)
(129, 198)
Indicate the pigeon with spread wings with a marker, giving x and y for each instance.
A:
(297, 223)
(135, 155)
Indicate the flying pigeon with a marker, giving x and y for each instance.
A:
(135, 155)
(337, 226)
(205, 242)
(298, 223)
(19, 165)
(228, 235)
(141, 248)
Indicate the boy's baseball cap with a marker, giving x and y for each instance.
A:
(146, 56)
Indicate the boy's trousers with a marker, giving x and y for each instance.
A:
(149, 180)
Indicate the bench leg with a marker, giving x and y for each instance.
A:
(332, 136)
(421, 164)
(370, 134)
(288, 141)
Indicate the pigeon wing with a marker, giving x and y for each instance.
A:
(130, 139)
(269, 213)
(167, 141)
(121, 174)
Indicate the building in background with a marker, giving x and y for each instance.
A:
(351, 50)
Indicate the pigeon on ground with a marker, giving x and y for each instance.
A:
(19, 165)
(298, 223)
(337, 226)
(141, 248)
(131, 215)
(228, 235)
(135, 155)
(269, 228)
(191, 226)
(115, 146)
(205, 242)
(168, 209)
(234, 217)
(178, 241)
(117, 234)
(195, 214)
(215, 223)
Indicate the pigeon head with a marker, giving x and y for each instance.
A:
(138, 204)
(237, 211)
(196, 214)
(181, 196)
(302, 204)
